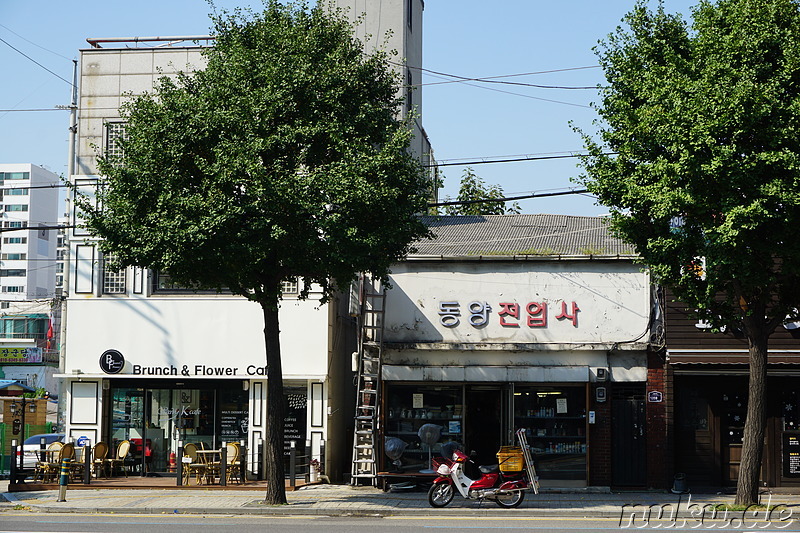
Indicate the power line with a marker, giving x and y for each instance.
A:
(510, 160)
(31, 110)
(509, 198)
(526, 95)
(33, 60)
(33, 43)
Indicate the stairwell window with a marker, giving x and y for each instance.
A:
(115, 134)
(113, 279)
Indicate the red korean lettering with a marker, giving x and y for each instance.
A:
(537, 314)
(510, 310)
(573, 316)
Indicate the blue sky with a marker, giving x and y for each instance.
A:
(469, 38)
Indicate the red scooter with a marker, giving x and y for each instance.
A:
(507, 489)
(492, 484)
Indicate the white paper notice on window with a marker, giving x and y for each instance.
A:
(417, 401)
(561, 405)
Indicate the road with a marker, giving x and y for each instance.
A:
(23, 521)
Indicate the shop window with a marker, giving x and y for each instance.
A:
(555, 419)
(409, 407)
(790, 403)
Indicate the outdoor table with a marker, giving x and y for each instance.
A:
(207, 457)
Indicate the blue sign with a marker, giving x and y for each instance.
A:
(83, 440)
(655, 396)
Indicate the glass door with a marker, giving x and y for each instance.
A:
(184, 415)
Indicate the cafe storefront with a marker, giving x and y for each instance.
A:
(161, 371)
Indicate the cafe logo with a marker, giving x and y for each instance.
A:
(112, 361)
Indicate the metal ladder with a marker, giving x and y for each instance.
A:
(372, 309)
(533, 479)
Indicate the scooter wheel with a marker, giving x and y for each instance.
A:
(440, 494)
(510, 499)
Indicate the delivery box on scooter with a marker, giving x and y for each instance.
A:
(510, 459)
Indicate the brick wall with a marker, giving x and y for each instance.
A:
(659, 453)
(600, 439)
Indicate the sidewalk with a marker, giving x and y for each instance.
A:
(344, 500)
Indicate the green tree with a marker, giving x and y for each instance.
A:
(478, 198)
(703, 122)
(284, 157)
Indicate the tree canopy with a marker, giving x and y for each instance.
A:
(479, 198)
(283, 157)
(700, 123)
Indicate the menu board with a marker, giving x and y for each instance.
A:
(233, 425)
(294, 423)
(791, 454)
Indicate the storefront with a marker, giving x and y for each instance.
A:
(708, 374)
(162, 416)
(162, 369)
(480, 346)
(481, 417)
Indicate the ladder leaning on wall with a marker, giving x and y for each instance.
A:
(372, 299)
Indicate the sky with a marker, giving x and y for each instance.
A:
(467, 122)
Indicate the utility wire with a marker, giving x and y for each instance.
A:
(33, 43)
(525, 95)
(31, 110)
(510, 160)
(508, 198)
(496, 79)
(33, 60)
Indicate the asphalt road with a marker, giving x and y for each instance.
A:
(21, 522)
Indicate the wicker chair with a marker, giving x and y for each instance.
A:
(233, 453)
(99, 459)
(48, 468)
(197, 467)
(118, 460)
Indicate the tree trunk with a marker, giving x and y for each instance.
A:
(756, 422)
(276, 489)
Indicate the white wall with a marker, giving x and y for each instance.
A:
(223, 332)
(613, 299)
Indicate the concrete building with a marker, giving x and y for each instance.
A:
(157, 364)
(395, 26)
(29, 202)
(27, 274)
(540, 322)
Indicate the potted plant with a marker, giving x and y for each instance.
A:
(313, 471)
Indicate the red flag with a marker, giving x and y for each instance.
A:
(49, 333)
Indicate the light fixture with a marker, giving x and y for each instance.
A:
(246, 385)
(32, 406)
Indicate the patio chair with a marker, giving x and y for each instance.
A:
(99, 458)
(232, 452)
(47, 468)
(197, 467)
(118, 460)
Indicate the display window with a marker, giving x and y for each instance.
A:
(555, 419)
(157, 420)
(423, 419)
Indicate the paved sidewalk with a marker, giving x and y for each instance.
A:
(344, 500)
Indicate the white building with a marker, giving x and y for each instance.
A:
(27, 252)
(146, 359)
(29, 206)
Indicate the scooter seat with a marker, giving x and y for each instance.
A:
(489, 469)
